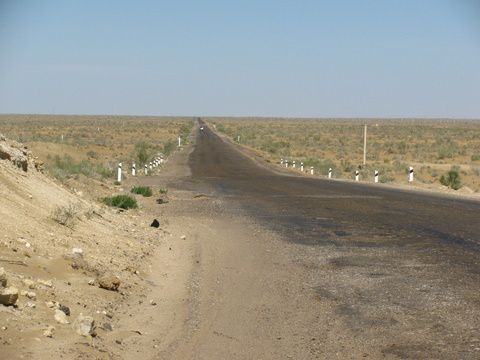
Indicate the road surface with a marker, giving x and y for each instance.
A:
(329, 269)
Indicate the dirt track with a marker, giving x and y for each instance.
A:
(295, 267)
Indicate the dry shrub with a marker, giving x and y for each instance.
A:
(65, 215)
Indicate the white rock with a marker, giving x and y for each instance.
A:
(47, 283)
(29, 283)
(49, 331)
(28, 294)
(60, 317)
(84, 325)
(77, 251)
(183, 237)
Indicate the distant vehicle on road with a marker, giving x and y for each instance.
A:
(201, 128)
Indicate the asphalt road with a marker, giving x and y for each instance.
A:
(317, 211)
(384, 273)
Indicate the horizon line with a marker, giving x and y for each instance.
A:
(255, 116)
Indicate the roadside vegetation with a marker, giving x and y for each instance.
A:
(65, 167)
(65, 215)
(121, 201)
(451, 179)
(432, 147)
(145, 191)
(93, 145)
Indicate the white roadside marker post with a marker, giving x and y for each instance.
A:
(293, 165)
(133, 169)
(329, 173)
(151, 166)
(376, 176)
(357, 175)
(286, 163)
(410, 174)
(146, 169)
(238, 138)
(301, 166)
(281, 161)
(179, 141)
(311, 170)
(119, 172)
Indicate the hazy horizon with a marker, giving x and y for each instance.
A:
(248, 117)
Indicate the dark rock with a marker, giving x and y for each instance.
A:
(155, 223)
(8, 296)
(65, 309)
(107, 327)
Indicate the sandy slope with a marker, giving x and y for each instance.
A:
(35, 247)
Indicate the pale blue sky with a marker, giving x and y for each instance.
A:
(357, 58)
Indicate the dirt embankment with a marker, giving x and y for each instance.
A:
(69, 267)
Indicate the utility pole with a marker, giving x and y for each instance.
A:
(365, 145)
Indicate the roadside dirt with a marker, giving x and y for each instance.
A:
(56, 266)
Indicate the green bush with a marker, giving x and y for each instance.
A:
(163, 191)
(121, 201)
(146, 191)
(451, 179)
(475, 157)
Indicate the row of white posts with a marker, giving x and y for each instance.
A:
(147, 167)
(330, 171)
(153, 164)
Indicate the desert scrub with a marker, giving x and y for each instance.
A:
(65, 167)
(163, 191)
(121, 201)
(143, 152)
(65, 215)
(451, 179)
(145, 191)
(185, 130)
(168, 147)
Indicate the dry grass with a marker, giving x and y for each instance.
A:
(433, 147)
(93, 145)
(65, 215)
